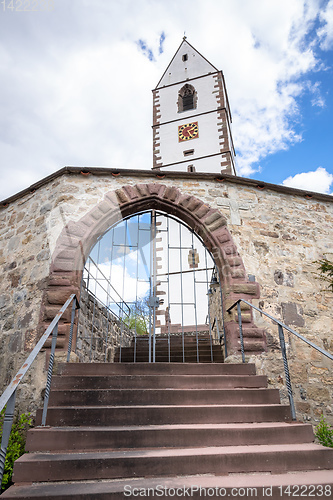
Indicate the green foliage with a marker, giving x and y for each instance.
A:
(324, 433)
(326, 272)
(138, 323)
(16, 445)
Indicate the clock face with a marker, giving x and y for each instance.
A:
(188, 131)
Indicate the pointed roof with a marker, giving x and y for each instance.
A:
(180, 68)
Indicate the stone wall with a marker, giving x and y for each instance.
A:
(279, 233)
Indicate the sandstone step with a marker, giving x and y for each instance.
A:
(158, 381)
(174, 359)
(273, 486)
(154, 436)
(163, 462)
(176, 339)
(153, 415)
(174, 349)
(156, 368)
(122, 397)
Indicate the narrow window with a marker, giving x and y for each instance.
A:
(185, 57)
(191, 168)
(188, 152)
(187, 98)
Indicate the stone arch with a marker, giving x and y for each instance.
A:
(77, 239)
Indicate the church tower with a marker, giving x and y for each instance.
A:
(191, 116)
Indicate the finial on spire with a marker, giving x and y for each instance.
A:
(184, 37)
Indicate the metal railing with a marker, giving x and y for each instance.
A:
(281, 326)
(9, 395)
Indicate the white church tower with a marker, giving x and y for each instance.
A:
(191, 116)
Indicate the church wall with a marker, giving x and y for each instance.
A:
(278, 234)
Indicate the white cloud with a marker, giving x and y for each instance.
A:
(125, 287)
(81, 95)
(318, 181)
(325, 33)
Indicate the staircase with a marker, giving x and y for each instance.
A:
(175, 348)
(168, 429)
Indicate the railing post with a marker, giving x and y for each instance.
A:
(70, 340)
(7, 427)
(240, 330)
(286, 371)
(49, 373)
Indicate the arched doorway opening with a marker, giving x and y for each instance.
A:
(150, 277)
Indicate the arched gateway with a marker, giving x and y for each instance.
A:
(77, 239)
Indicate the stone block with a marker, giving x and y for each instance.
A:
(61, 265)
(142, 190)
(156, 189)
(214, 221)
(223, 236)
(51, 311)
(234, 261)
(122, 196)
(237, 273)
(131, 192)
(30, 339)
(171, 193)
(245, 288)
(202, 210)
(318, 393)
(292, 314)
(302, 406)
(191, 204)
(77, 229)
(60, 295)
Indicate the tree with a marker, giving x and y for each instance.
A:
(139, 318)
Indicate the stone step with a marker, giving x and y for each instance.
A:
(154, 415)
(127, 357)
(46, 439)
(156, 368)
(261, 486)
(175, 340)
(275, 458)
(165, 359)
(174, 347)
(158, 381)
(131, 397)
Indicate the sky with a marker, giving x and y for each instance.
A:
(76, 79)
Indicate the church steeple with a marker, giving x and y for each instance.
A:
(191, 116)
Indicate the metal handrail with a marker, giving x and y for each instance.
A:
(281, 326)
(9, 395)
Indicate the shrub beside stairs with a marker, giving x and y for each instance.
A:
(121, 430)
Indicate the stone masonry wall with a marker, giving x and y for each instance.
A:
(279, 234)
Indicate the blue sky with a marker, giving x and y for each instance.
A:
(73, 77)
(314, 124)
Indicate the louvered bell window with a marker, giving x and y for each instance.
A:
(188, 102)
